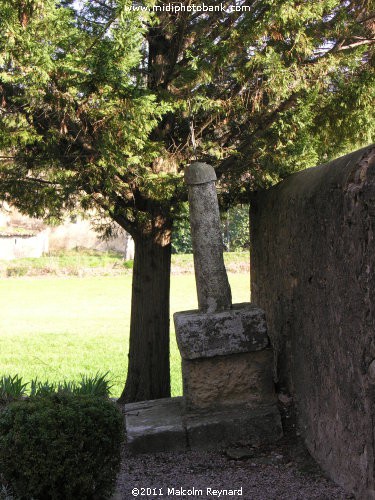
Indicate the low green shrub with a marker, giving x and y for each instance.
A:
(97, 385)
(16, 271)
(61, 446)
(11, 388)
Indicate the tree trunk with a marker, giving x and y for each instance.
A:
(148, 370)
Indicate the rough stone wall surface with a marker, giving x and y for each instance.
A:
(313, 272)
(227, 380)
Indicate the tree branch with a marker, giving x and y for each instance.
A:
(368, 41)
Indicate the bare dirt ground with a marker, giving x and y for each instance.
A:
(277, 472)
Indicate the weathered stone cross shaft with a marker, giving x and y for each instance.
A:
(211, 278)
(225, 360)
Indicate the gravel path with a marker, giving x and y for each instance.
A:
(285, 471)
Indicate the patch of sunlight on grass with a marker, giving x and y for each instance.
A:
(60, 328)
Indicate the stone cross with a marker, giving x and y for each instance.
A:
(212, 283)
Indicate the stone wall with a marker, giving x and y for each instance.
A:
(66, 236)
(17, 246)
(81, 234)
(313, 272)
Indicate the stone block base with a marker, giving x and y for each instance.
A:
(204, 335)
(162, 425)
(155, 425)
(244, 378)
(236, 425)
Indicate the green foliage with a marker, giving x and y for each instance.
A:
(97, 101)
(39, 388)
(13, 270)
(128, 264)
(11, 388)
(61, 446)
(235, 224)
(235, 230)
(94, 386)
(181, 236)
(97, 385)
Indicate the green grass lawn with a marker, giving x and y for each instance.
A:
(58, 328)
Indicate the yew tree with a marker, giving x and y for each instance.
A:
(103, 105)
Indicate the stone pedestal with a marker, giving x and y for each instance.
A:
(227, 382)
(226, 359)
(163, 425)
(241, 328)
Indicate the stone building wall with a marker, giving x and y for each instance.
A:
(17, 246)
(66, 236)
(80, 234)
(313, 272)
